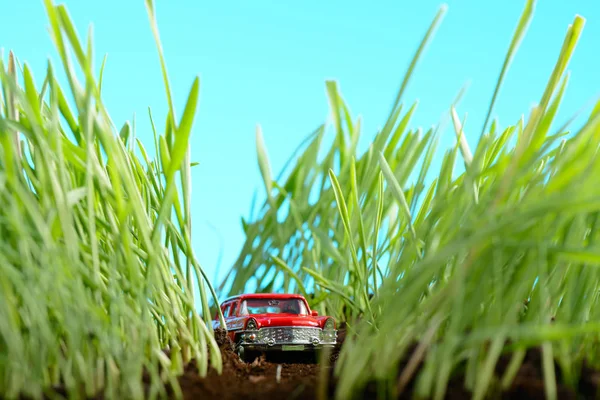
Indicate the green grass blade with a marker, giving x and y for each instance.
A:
(426, 39)
(515, 42)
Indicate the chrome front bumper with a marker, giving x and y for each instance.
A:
(275, 338)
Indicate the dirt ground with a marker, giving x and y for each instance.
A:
(299, 379)
(256, 380)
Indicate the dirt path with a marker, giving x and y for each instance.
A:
(298, 379)
(252, 381)
(287, 378)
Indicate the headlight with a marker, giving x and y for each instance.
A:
(251, 325)
(329, 325)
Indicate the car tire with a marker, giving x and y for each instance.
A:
(245, 355)
(241, 352)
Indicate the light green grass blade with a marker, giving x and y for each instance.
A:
(400, 198)
(517, 38)
(263, 163)
(153, 24)
(424, 42)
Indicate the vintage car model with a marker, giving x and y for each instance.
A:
(262, 322)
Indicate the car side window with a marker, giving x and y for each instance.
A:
(233, 309)
(226, 309)
(243, 308)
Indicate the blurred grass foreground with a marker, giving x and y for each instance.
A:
(97, 273)
(498, 254)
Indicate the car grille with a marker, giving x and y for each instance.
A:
(290, 334)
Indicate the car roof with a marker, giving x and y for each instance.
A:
(263, 296)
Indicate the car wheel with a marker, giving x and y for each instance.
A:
(245, 355)
(241, 352)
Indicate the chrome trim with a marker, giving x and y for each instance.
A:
(272, 336)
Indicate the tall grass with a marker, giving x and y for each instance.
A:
(97, 272)
(497, 251)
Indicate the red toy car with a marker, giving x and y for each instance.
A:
(275, 322)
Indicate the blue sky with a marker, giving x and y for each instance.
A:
(267, 61)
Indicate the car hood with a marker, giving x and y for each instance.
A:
(273, 320)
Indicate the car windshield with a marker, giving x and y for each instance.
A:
(273, 306)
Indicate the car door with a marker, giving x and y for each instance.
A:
(236, 322)
(225, 308)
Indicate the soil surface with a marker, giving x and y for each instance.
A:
(297, 378)
(290, 378)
